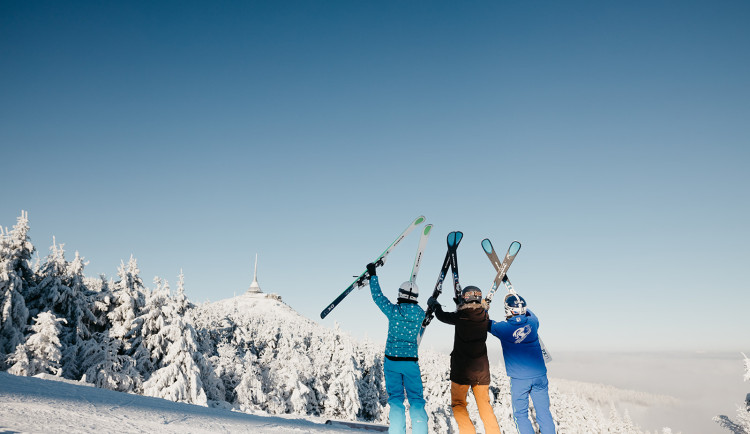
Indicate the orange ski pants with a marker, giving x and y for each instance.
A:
(458, 403)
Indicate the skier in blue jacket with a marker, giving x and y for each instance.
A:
(524, 364)
(401, 367)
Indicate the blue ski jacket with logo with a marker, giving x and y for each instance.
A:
(404, 324)
(521, 349)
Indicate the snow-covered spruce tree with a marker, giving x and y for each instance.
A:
(372, 392)
(128, 300)
(61, 290)
(342, 396)
(228, 367)
(16, 277)
(249, 394)
(165, 350)
(183, 304)
(101, 359)
(740, 425)
(41, 351)
(105, 367)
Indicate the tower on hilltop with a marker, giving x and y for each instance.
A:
(254, 287)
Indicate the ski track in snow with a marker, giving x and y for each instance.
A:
(29, 404)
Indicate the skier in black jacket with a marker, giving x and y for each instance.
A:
(470, 366)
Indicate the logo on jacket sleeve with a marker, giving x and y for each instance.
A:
(520, 334)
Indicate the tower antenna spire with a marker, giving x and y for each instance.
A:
(255, 287)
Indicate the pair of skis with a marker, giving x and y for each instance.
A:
(363, 278)
(501, 267)
(450, 261)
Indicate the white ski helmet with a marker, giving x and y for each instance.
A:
(408, 291)
(514, 305)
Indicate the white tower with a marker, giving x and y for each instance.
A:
(254, 287)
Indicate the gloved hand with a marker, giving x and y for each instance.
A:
(371, 270)
(432, 302)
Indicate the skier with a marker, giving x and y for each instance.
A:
(524, 364)
(401, 366)
(470, 366)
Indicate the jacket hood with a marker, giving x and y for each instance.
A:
(482, 305)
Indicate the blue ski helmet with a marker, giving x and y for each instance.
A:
(514, 305)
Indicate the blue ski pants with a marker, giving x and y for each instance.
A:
(403, 376)
(520, 390)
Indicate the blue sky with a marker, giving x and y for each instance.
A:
(611, 138)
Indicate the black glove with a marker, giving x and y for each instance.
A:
(432, 302)
(371, 270)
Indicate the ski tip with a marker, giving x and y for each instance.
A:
(487, 245)
(427, 229)
(454, 238)
(419, 220)
(515, 246)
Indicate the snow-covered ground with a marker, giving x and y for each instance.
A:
(38, 405)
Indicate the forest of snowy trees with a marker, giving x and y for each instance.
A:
(250, 353)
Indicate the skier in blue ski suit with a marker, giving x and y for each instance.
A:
(401, 367)
(524, 364)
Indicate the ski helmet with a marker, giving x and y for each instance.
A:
(514, 305)
(471, 294)
(408, 291)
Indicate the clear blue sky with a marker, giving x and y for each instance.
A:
(611, 138)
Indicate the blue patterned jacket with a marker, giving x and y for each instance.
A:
(404, 324)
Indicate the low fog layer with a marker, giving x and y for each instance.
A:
(705, 384)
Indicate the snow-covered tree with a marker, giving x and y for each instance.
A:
(342, 398)
(128, 299)
(62, 291)
(41, 351)
(166, 350)
(741, 424)
(183, 304)
(104, 366)
(249, 391)
(16, 278)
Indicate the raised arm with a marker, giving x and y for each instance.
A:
(446, 317)
(381, 300)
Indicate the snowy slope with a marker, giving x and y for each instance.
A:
(29, 404)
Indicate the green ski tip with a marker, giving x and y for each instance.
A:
(427, 229)
(419, 220)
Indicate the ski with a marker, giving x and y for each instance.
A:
(547, 356)
(420, 251)
(453, 239)
(358, 425)
(501, 267)
(454, 270)
(361, 280)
